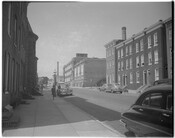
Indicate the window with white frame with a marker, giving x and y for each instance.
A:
(119, 79)
(122, 68)
(130, 62)
(137, 61)
(113, 51)
(119, 66)
(137, 47)
(127, 65)
(170, 34)
(149, 41)
(156, 58)
(156, 74)
(130, 49)
(170, 52)
(149, 58)
(9, 19)
(137, 77)
(122, 53)
(118, 53)
(142, 60)
(126, 50)
(131, 77)
(141, 45)
(155, 39)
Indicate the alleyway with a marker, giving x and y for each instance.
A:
(46, 117)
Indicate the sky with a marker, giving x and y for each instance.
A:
(66, 28)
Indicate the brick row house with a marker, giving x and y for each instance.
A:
(19, 61)
(143, 58)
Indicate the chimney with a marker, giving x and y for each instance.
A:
(123, 33)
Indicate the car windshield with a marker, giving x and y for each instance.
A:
(63, 86)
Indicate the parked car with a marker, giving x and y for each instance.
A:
(103, 87)
(163, 81)
(151, 115)
(114, 88)
(64, 90)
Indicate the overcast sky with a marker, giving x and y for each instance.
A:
(65, 29)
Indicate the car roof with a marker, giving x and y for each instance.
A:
(160, 87)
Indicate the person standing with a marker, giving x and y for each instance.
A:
(58, 90)
(53, 92)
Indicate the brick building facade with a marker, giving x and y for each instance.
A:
(143, 58)
(89, 71)
(18, 49)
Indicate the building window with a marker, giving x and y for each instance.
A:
(118, 54)
(141, 45)
(170, 52)
(155, 39)
(149, 58)
(15, 32)
(9, 19)
(127, 65)
(118, 66)
(149, 41)
(119, 79)
(122, 53)
(170, 34)
(122, 68)
(137, 61)
(131, 77)
(130, 49)
(142, 60)
(137, 47)
(156, 58)
(113, 51)
(156, 74)
(130, 63)
(126, 50)
(137, 77)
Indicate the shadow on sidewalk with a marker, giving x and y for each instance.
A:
(99, 112)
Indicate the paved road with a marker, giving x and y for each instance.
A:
(105, 107)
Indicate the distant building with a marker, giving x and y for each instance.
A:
(143, 58)
(89, 71)
(68, 69)
(110, 61)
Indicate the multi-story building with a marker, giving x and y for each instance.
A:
(142, 59)
(19, 63)
(68, 69)
(168, 27)
(110, 61)
(89, 71)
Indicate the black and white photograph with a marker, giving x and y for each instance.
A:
(87, 69)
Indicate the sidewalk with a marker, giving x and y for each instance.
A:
(46, 117)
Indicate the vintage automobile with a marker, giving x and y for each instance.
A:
(114, 88)
(64, 90)
(152, 113)
(103, 87)
(163, 81)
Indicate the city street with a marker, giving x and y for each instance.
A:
(44, 116)
(104, 107)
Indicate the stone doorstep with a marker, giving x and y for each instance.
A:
(12, 122)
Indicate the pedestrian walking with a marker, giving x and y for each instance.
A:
(58, 90)
(53, 92)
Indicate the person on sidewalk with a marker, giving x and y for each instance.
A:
(58, 90)
(53, 92)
